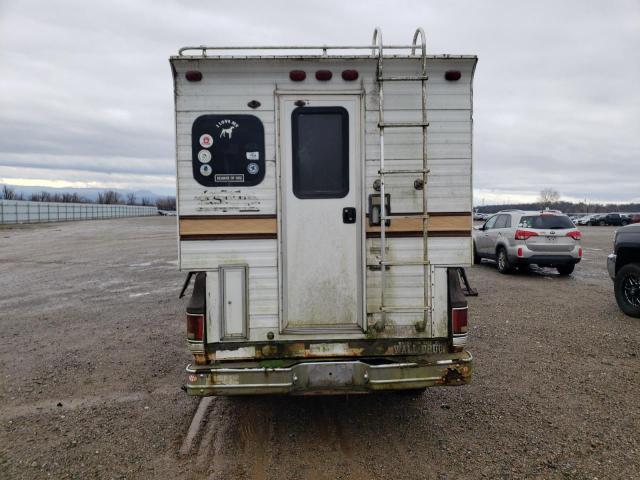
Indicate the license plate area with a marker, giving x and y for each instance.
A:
(330, 375)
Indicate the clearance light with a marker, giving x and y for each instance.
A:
(349, 75)
(519, 251)
(297, 75)
(453, 75)
(193, 76)
(580, 252)
(324, 75)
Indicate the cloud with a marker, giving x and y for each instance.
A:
(86, 90)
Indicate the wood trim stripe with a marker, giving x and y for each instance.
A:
(228, 226)
(246, 236)
(265, 226)
(435, 224)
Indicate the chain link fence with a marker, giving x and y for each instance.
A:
(18, 211)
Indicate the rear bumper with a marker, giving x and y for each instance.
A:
(545, 260)
(329, 377)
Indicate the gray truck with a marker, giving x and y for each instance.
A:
(624, 268)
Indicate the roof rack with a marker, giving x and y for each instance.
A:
(374, 49)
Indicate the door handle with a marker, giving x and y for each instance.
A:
(349, 215)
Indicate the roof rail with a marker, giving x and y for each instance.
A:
(375, 49)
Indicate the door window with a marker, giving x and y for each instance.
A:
(490, 223)
(503, 221)
(320, 157)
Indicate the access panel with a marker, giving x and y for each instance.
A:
(228, 150)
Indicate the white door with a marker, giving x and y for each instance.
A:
(320, 217)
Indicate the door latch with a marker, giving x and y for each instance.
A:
(349, 215)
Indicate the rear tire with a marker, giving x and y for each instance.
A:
(504, 266)
(625, 223)
(566, 269)
(627, 289)
(601, 223)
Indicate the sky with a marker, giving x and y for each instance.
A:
(86, 94)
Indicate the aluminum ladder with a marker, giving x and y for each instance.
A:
(425, 308)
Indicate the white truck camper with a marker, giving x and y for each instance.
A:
(324, 210)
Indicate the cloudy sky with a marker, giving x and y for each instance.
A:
(86, 91)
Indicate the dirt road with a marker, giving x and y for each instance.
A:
(92, 355)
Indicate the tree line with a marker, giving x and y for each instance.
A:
(550, 198)
(107, 197)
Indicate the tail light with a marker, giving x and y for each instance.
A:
(524, 234)
(459, 320)
(575, 234)
(459, 328)
(195, 327)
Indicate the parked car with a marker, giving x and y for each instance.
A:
(598, 219)
(583, 220)
(479, 216)
(617, 219)
(515, 238)
(624, 268)
(634, 217)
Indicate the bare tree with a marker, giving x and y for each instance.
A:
(166, 203)
(131, 198)
(109, 197)
(548, 197)
(8, 193)
(146, 202)
(40, 197)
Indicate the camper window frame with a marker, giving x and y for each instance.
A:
(314, 193)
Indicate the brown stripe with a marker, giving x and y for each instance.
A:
(265, 226)
(222, 226)
(415, 233)
(217, 217)
(246, 236)
(435, 224)
(449, 214)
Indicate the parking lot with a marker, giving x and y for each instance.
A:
(92, 355)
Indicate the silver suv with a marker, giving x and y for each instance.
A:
(516, 237)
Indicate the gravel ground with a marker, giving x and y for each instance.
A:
(92, 355)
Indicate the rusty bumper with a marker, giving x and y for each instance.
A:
(329, 377)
